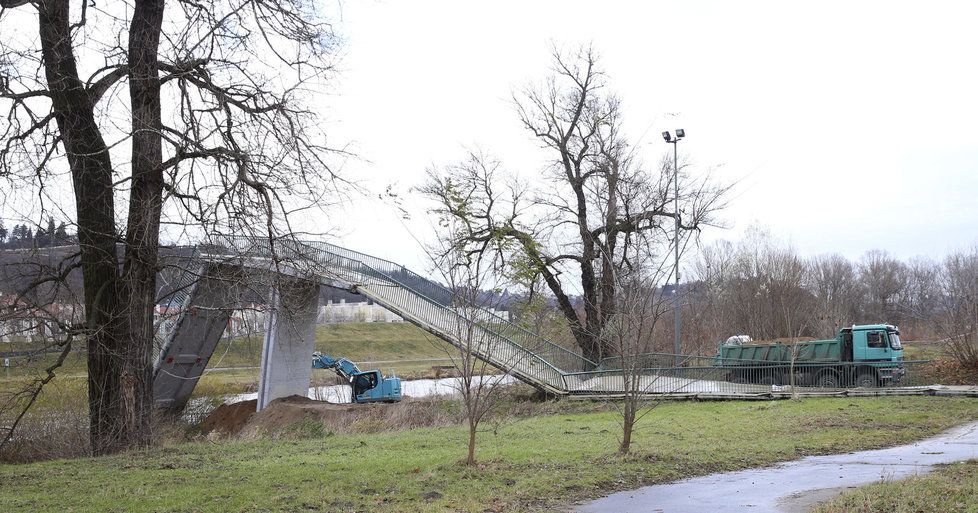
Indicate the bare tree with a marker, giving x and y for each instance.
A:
(756, 287)
(833, 281)
(217, 141)
(633, 333)
(920, 304)
(791, 302)
(958, 318)
(884, 279)
(712, 316)
(471, 278)
(600, 199)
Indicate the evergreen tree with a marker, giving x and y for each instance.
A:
(18, 236)
(61, 234)
(49, 233)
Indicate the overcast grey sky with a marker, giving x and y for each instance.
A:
(847, 125)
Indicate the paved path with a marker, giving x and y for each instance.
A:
(795, 486)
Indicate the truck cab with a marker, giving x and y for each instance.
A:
(372, 387)
(879, 347)
(872, 343)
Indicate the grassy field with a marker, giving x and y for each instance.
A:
(952, 489)
(356, 341)
(540, 463)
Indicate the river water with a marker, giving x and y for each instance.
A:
(342, 393)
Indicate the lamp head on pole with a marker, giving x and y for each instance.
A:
(680, 133)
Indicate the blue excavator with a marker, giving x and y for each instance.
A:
(368, 386)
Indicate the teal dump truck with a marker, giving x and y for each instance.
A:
(868, 355)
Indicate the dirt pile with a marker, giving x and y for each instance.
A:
(283, 414)
(229, 419)
(241, 421)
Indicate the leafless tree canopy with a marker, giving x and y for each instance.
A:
(957, 310)
(601, 200)
(238, 142)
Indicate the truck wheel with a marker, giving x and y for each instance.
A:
(827, 379)
(866, 379)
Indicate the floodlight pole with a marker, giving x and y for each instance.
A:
(675, 293)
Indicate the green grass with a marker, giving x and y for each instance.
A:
(952, 489)
(355, 341)
(378, 341)
(536, 463)
(23, 367)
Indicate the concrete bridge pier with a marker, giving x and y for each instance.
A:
(290, 339)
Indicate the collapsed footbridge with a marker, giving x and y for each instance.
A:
(286, 275)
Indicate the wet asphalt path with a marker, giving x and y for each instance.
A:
(795, 486)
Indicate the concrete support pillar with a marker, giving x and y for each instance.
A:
(290, 337)
(195, 334)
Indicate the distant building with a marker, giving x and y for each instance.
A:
(332, 313)
(23, 322)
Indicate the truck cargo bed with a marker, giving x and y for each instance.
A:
(812, 351)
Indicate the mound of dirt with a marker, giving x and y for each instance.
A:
(288, 411)
(229, 419)
(240, 419)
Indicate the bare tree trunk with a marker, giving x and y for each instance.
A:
(473, 425)
(119, 312)
(629, 401)
(91, 172)
(628, 425)
(143, 229)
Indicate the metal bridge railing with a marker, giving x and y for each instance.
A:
(437, 293)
